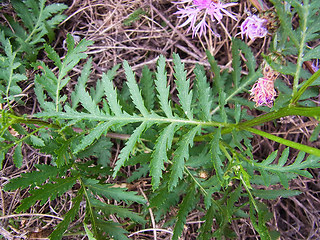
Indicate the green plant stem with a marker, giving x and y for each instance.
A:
(19, 120)
(152, 118)
(287, 111)
(288, 143)
(19, 140)
(303, 25)
(89, 207)
(249, 192)
(297, 96)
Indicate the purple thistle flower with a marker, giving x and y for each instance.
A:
(263, 92)
(254, 27)
(200, 9)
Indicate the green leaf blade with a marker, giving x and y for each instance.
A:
(183, 85)
(181, 155)
(126, 151)
(161, 86)
(134, 90)
(159, 155)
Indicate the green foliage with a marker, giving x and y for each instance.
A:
(37, 22)
(204, 129)
(9, 77)
(308, 30)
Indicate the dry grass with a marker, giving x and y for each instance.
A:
(140, 44)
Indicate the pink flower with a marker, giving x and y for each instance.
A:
(263, 92)
(254, 27)
(199, 10)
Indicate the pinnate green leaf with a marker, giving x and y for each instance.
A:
(203, 92)
(275, 193)
(183, 85)
(161, 86)
(49, 190)
(147, 88)
(159, 155)
(134, 90)
(187, 205)
(63, 226)
(35, 177)
(126, 151)
(111, 192)
(181, 155)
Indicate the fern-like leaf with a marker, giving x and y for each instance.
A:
(183, 85)
(39, 21)
(159, 155)
(181, 155)
(34, 178)
(134, 90)
(108, 191)
(63, 226)
(111, 94)
(126, 151)
(187, 205)
(8, 67)
(147, 88)
(47, 191)
(161, 86)
(298, 167)
(203, 92)
(52, 84)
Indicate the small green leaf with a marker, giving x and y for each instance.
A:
(159, 155)
(17, 156)
(161, 86)
(88, 232)
(274, 194)
(71, 214)
(187, 205)
(181, 155)
(37, 141)
(126, 151)
(183, 85)
(111, 192)
(134, 90)
(133, 17)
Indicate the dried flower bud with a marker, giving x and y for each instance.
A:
(263, 92)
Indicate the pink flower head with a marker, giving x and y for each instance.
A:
(263, 92)
(197, 12)
(254, 27)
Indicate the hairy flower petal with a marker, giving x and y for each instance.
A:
(196, 14)
(254, 27)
